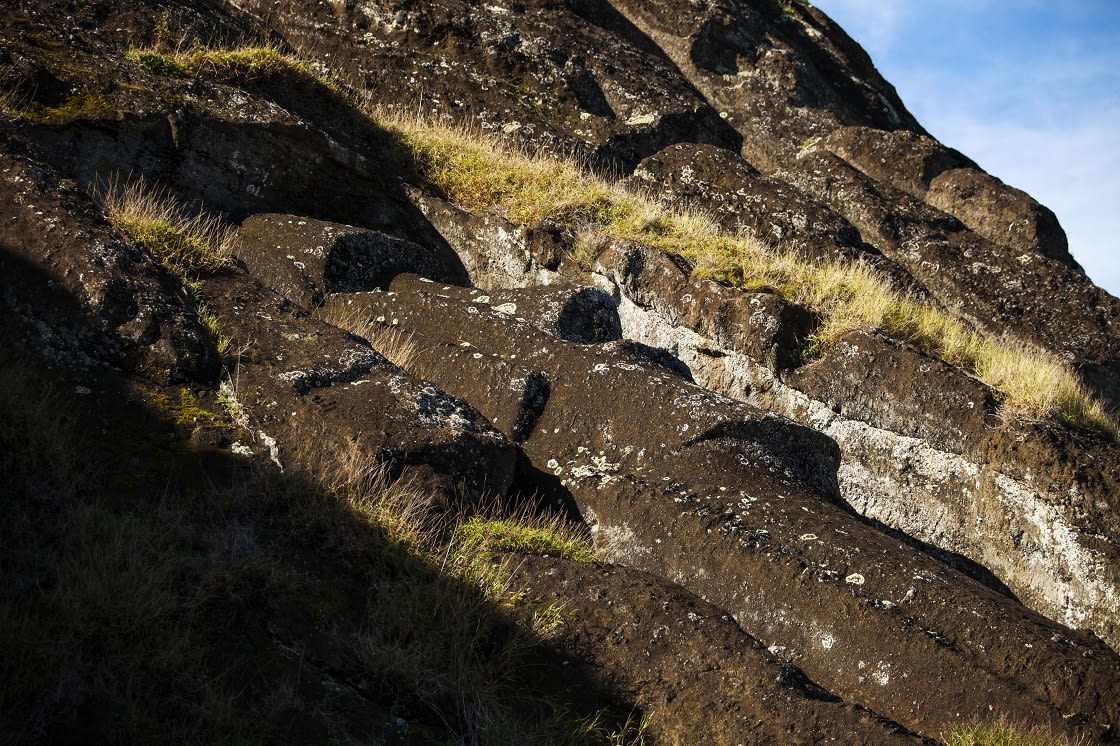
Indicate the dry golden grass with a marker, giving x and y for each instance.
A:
(1003, 733)
(243, 64)
(480, 173)
(446, 572)
(397, 345)
(185, 243)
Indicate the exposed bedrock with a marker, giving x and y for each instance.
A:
(304, 384)
(923, 450)
(547, 76)
(107, 303)
(833, 545)
(667, 651)
(739, 506)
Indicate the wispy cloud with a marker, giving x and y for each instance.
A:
(1029, 90)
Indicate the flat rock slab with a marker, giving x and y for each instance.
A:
(685, 663)
(304, 383)
(894, 387)
(303, 259)
(575, 313)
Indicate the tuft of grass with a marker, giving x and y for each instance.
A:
(397, 345)
(240, 65)
(1002, 734)
(186, 410)
(184, 243)
(461, 661)
(631, 732)
(545, 536)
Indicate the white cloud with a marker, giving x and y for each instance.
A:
(1038, 113)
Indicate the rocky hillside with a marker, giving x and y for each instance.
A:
(597, 371)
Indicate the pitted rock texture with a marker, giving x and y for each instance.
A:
(305, 384)
(865, 515)
(923, 450)
(130, 312)
(303, 259)
(705, 503)
(686, 659)
(574, 313)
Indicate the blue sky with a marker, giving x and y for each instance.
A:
(1029, 89)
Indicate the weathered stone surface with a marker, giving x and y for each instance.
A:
(760, 325)
(922, 167)
(1001, 214)
(573, 313)
(904, 159)
(789, 132)
(1026, 296)
(511, 396)
(84, 294)
(547, 76)
(686, 663)
(743, 199)
(303, 383)
(893, 387)
(303, 259)
(614, 389)
(766, 65)
(923, 453)
(869, 619)
(705, 503)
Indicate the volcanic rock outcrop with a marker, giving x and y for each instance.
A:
(852, 546)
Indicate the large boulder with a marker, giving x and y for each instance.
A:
(696, 675)
(303, 258)
(302, 384)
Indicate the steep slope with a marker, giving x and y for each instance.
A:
(883, 552)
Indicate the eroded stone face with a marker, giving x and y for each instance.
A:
(676, 416)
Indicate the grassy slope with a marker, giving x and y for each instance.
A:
(480, 174)
(148, 592)
(130, 583)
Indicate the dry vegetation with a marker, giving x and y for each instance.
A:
(397, 345)
(132, 584)
(1003, 734)
(479, 173)
(417, 561)
(185, 243)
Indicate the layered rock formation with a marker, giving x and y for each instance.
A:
(854, 546)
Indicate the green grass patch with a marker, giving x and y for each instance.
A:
(241, 65)
(512, 535)
(185, 410)
(1002, 734)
